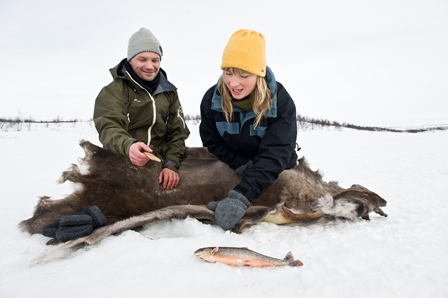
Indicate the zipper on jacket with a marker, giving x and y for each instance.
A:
(153, 108)
(179, 110)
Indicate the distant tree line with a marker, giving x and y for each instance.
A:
(307, 122)
(303, 122)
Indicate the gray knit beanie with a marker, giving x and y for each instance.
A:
(143, 41)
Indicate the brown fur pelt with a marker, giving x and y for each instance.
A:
(122, 191)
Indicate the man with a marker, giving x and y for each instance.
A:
(141, 108)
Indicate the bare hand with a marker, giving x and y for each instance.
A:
(136, 154)
(168, 178)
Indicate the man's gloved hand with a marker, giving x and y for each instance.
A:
(75, 225)
(242, 169)
(229, 211)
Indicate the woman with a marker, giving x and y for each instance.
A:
(248, 120)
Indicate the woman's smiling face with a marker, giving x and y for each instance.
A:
(240, 84)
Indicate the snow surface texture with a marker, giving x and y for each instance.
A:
(403, 255)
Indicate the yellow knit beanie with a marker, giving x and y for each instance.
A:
(246, 50)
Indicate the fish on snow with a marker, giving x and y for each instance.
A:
(242, 256)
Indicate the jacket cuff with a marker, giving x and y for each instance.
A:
(128, 144)
(170, 165)
(250, 195)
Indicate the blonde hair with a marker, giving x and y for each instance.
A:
(261, 97)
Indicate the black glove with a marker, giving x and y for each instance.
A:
(229, 211)
(75, 225)
(242, 169)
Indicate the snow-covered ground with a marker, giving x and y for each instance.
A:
(403, 255)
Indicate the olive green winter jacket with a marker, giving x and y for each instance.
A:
(125, 112)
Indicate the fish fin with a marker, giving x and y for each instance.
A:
(214, 251)
(295, 263)
(289, 259)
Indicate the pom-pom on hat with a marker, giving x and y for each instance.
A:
(143, 41)
(246, 50)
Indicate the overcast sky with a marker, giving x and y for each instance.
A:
(379, 62)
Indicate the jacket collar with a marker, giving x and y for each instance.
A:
(119, 72)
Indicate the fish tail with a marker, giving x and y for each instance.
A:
(289, 259)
